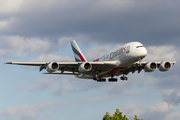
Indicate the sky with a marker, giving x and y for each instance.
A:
(32, 30)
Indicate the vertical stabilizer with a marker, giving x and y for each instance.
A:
(79, 57)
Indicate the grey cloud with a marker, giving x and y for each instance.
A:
(56, 87)
(161, 111)
(96, 52)
(26, 112)
(19, 46)
(149, 22)
(93, 99)
(51, 58)
(112, 90)
(162, 53)
(171, 96)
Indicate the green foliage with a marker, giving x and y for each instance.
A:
(117, 116)
(135, 118)
(107, 117)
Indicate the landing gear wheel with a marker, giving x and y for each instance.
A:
(124, 78)
(101, 80)
(112, 79)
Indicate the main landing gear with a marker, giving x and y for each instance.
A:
(112, 79)
(104, 80)
(124, 78)
(99, 79)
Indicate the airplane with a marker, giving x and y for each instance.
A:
(120, 61)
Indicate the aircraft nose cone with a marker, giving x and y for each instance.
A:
(144, 52)
(141, 52)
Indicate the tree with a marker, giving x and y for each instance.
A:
(117, 116)
(135, 118)
(107, 117)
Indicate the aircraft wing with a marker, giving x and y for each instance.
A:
(28, 63)
(71, 66)
(137, 66)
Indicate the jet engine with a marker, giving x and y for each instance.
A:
(165, 66)
(52, 67)
(85, 67)
(150, 67)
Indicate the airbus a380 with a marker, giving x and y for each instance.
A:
(121, 61)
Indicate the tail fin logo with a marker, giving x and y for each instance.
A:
(79, 57)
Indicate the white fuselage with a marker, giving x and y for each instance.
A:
(126, 55)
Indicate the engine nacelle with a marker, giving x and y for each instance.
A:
(52, 67)
(85, 67)
(165, 66)
(150, 67)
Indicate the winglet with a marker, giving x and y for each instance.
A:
(79, 57)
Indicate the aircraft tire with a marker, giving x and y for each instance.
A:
(112, 79)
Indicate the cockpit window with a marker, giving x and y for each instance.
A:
(139, 46)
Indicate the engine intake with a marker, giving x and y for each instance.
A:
(85, 67)
(150, 67)
(165, 66)
(52, 67)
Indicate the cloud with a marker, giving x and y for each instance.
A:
(171, 96)
(56, 87)
(90, 54)
(102, 21)
(5, 24)
(160, 111)
(8, 6)
(162, 53)
(93, 99)
(149, 81)
(98, 51)
(173, 116)
(19, 46)
(51, 58)
(26, 111)
(37, 30)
